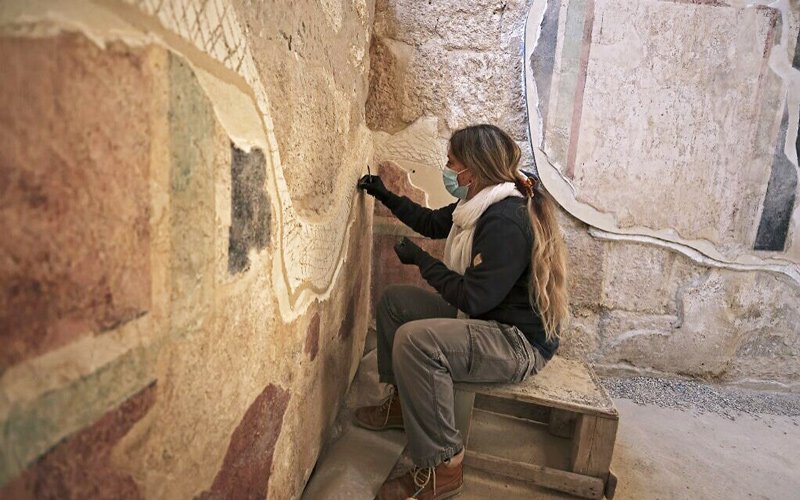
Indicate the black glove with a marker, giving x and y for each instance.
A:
(408, 251)
(373, 185)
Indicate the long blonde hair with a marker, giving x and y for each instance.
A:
(493, 157)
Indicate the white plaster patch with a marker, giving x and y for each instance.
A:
(235, 111)
(420, 151)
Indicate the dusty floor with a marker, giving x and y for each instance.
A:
(670, 453)
(669, 445)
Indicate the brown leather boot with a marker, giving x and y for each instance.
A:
(387, 415)
(432, 483)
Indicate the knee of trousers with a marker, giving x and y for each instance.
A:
(409, 343)
(388, 301)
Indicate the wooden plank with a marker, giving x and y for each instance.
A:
(611, 485)
(513, 408)
(562, 423)
(565, 384)
(593, 445)
(573, 407)
(568, 482)
(462, 409)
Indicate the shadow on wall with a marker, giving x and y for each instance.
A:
(388, 230)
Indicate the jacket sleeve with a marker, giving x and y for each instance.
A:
(428, 222)
(504, 250)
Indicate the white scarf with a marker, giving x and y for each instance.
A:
(458, 249)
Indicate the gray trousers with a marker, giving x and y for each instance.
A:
(423, 349)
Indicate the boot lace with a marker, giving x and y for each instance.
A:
(422, 476)
(386, 405)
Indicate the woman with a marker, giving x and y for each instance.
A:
(496, 317)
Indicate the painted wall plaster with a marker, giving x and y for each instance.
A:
(666, 130)
(256, 303)
(592, 143)
(210, 36)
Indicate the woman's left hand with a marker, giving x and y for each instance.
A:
(407, 251)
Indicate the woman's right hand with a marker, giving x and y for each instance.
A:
(373, 185)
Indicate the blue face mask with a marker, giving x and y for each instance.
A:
(450, 179)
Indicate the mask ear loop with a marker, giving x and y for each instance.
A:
(459, 173)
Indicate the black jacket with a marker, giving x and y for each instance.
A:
(495, 289)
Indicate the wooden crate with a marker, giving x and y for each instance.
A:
(567, 398)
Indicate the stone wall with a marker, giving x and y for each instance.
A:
(436, 67)
(185, 263)
(673, 152)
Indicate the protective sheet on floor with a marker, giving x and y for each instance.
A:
(357, 462)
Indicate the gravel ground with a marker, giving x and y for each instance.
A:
(728, 402)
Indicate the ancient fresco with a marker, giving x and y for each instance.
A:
(178, 231)
(309, 248)
(309, 242)
(673, 122)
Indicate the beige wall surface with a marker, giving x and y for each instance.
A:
(667, 132)
(687, 135)
(680, 146)
(185, 274)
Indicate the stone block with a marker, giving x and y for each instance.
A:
(639, 278)
(585, 263)
(388, 67)
(482, 41)
(75, 132)
(439, 89)
(579, 340)
(631, 338)
(760, 310)
(728, 326)
(473, 24)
